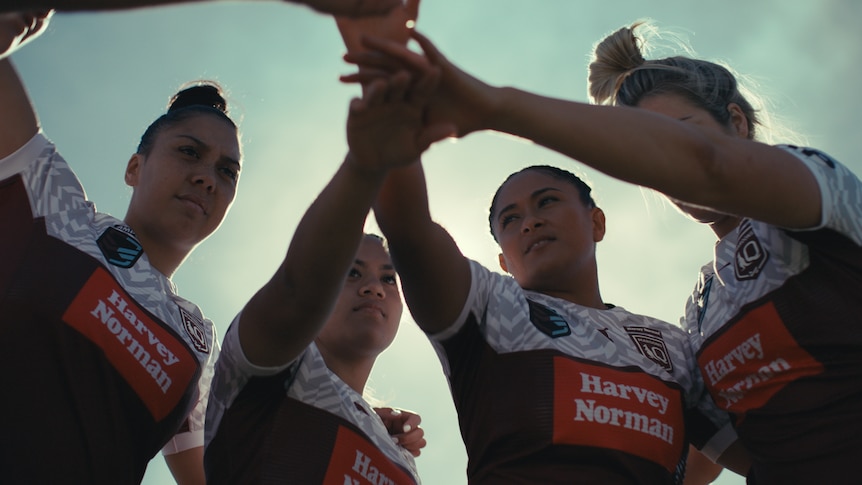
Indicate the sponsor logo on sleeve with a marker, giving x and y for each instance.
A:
(155, 364)
(750, 257)
(630, 412)
(753, 360)
(548, 321)
(119, 247)
(356, 461)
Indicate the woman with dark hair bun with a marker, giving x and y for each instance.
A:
(105, 364)
(774, 319)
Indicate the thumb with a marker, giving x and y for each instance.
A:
(436, 132)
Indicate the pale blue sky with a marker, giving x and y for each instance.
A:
(98, 79)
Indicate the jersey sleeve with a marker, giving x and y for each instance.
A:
(840, 189)
(52, 186)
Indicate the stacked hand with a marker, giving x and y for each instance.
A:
(459, 100)
(18, 28)
(385, 128)
(395, 26)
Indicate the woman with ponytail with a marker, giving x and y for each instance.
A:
(104, 363)
(775, 317)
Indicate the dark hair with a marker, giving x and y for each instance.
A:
(583, 189)
(196, 98)
(620, 75)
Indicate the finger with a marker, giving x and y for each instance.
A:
(397, 51)
(430, 50)
(375, 92)
(374, 60)
(398, 85)
(425, 87)
(362, 77)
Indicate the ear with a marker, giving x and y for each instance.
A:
(503, 264)
(598, 217)
(133, 169)
(738, 120)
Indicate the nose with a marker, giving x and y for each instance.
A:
(373, 288)
(530, 222)
(205, 179)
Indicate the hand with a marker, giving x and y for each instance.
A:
(19, 28)
(404, 428)
(351, 8)
(385, 127)
(460, 100)
(394, 26)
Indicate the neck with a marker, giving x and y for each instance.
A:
(723, 226)
(166, 259)
(354, 371)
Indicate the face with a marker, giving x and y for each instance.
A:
(547, 235)
(679, 108)
(184, 187)
(366, 316)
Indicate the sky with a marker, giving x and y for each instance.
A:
(98, 79)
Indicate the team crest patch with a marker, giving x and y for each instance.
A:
(120, 248)
(548, 321)
(750, 257)
(651, 344)
(195, 330)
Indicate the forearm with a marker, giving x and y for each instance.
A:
(289, 311)
(630, 144)
(434, 274)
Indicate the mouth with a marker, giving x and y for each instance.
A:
(539, 243)
(194, 202)
(369, 307)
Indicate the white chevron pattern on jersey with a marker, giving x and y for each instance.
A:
(842, 209)
(57, 195)
(312, 383)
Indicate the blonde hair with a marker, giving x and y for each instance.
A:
(619, 74)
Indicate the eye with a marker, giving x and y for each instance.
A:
(505, 220)
(354, 273)
(190, 151)
(547, 200)
(230, 173)
(389, 279)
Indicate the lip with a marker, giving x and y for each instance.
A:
(538, 243)
(370, 307)
(194, 200)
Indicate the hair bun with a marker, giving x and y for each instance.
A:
(613, 59)
(200, 93)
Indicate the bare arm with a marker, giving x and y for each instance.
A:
(434, 274)
(722, 172)
(187, 466)
(350, 8)
(384, 130)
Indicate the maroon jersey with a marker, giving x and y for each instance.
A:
(102, 359)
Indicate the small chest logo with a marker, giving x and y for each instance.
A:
(548, 321)
(195, 330)
(703, 287)
(750, 257)
(651, 344)
(119, 247)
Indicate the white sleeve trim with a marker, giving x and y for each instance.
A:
(183, 441)
(232, 340)
(465, 311)
(18, 161)
(719, 442)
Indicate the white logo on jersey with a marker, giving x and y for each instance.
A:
(195, 330)
(750, 256)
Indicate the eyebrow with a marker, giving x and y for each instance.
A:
(535, 194)
(362, 263)
(223, 158)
